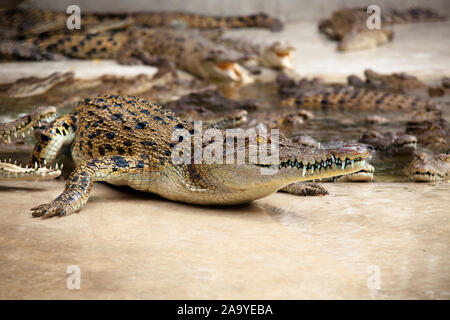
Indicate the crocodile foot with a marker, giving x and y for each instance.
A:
(55, 208)
(305, 189)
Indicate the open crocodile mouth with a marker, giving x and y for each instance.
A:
(285, 59)
(25, 125)
(233, 71)
(14, 171)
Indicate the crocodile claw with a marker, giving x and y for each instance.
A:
(52, 209)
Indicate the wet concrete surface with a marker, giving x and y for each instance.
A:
(363, 241)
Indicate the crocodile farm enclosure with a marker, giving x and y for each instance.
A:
(357, 205)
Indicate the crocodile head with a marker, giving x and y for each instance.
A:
(366, 39)
(391, 142)
(428, 168)
(26, 124)
(241, 182)
(278, 55)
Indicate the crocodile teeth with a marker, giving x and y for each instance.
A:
(9, 139)
(35, 165)
(304, 170)
(353, 163)
(343, 165)
(333, 159)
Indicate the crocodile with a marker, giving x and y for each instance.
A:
(188, 50)
(433, 134)
(24, 126)
(32, 86)
(395, 82)
(390, 142)
(428, 168)
(350, 98)
(130, 141)
(349, 26)
(442, 90)
(34, 22)
(277, 55)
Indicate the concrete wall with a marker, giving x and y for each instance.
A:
(287, 10)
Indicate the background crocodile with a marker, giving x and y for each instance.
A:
(128, 141)
(428, 168)
(349, 26)
(18, 23)
(188, 50)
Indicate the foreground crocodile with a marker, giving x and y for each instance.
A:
(428, 168)
(31, 22)
(188, 50)
(129, 141)
(23, 126)
(349, 26)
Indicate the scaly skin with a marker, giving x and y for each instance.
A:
(128, 141)
(188, 50)
(31, 22)
(349, 26)
(429, 168)
(22, 126)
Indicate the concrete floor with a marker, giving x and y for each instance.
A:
(363, 241)
(390, 236)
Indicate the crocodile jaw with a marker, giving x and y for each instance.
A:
(10, 171)
(231, 71)
(26, 124)
(229, 184)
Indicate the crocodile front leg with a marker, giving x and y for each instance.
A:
(114, 169)
(305, 189)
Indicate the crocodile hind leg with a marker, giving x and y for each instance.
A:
(60, 132)
(305, 189)
(113, 169)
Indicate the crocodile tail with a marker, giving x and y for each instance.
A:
(412, 15)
